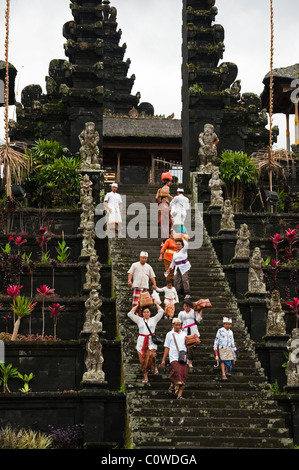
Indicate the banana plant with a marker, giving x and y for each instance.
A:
(6, 373)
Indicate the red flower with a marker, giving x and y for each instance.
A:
(13, 291)
(56, 309)
(276, 239)
(291, 234)
(10, 238)
(44, 290)
(19, 241)
(274, 263)
(294, 305)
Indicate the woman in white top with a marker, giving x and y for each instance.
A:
(175, 342)
(181, 267)
(189, 319)
(146, 349)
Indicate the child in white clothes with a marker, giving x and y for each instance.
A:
(170, 298)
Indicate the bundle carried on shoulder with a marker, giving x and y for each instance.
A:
(200, 304)
(192, 340)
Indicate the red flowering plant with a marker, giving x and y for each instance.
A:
(42, 240)
(276, 240)
(292, 239)
(55, 310)
(44, 291)
(294, 308)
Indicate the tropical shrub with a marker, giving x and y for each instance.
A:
(238, 173)
(54, 180)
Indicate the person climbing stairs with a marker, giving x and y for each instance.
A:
(237, 413)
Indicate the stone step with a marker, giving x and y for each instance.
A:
(201, 429)
(185, 442)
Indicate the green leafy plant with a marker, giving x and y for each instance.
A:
(21, 307)
(238, 172)
(26, 379)
(55, 178)
(63, 251)
(6, 373)
(23, 439)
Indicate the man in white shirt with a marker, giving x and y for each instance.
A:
(139, 275)
(175, 342)
(181, 267)
(178, 210)
(113, 204)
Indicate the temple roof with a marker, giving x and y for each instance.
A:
(142, 127)
(282, 78)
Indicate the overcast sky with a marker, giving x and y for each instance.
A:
(152, 31)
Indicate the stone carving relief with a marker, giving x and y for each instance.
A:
(89, 150)
(242, 249)
(94, 360)
(293, 362)
(93, 313)
(256, 276)
(275, 319)
(227, 219)
(215, 185)
(93, 273)
(207, 153)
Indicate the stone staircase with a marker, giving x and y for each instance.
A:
(238, 413)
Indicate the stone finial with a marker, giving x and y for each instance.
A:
(215, 184)
(93, 313)
(275, 319)
(227, 218)
(293, 362)
(93, 273)
(89, 150)
(242, 249)
(94, 360)
(207, 153)
(256, 275)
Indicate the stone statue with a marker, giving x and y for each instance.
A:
(85, 187)
(94, 360)
(87, 213)
(93, 273)
(275, 319)
(293, 362)
(242, 249)
(207, 152)
(88, 242)
(215, 185)
(256, 276)
(89, 150)
(227, 219)
(93, 314)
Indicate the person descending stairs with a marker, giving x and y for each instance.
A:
(237, 413)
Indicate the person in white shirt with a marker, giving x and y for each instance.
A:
(139, 275)
(179, 206)
(146, 349)
(189, 319)
(113, 204)
(224, 346)
(181, 267)
(170, 297)
(175, 342)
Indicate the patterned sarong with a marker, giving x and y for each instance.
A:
(179, 373)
